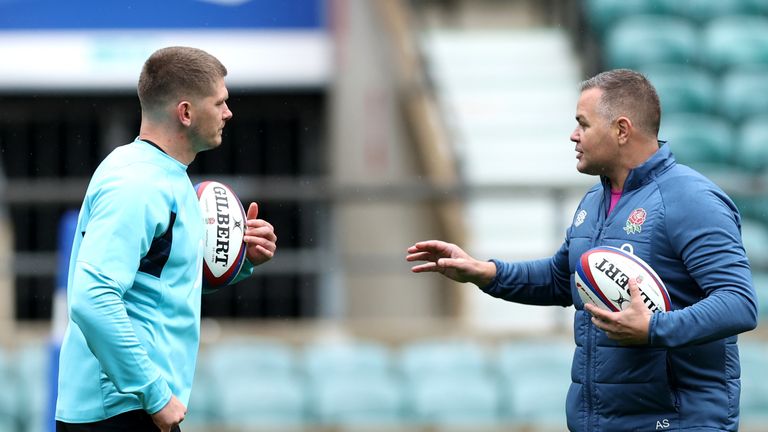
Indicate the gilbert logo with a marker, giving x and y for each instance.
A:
(635, 221)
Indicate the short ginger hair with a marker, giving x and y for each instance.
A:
(174, 73)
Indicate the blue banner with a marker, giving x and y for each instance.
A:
(161, 14)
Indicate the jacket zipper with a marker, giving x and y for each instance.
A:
(591, 342)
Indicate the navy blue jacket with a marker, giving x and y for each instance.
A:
(688, 376)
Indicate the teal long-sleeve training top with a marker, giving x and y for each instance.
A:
(134, 289)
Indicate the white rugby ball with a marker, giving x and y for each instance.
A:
(602, 279)
(224, 221)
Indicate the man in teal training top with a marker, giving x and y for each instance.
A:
(135, 274)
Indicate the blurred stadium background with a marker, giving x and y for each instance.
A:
(362, 126)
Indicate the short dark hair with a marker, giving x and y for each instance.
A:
(176, 72)
(627, 93)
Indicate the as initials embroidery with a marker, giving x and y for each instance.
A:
(635, 221)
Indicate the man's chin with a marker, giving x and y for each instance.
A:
(586, 170)
(212, 145)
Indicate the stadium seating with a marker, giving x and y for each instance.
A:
(449, 381)
(603, 14)
(742, 93)
(521, 386)
(643, 40)
(702, 141)
(682, 88)
(357, 398)
(734, 41)
(33, 386)
(755, 235)
(343, 358)
(757, 6)
(200, 409)
(535, 376)
(255, 382)
(8, 400)
(754, 392)
(251, 356)
(420, 359)
(353, 382)
(700, 11)
(760, 280)
(752, 144)
(752, 206)
(259, 401)
(454, 399)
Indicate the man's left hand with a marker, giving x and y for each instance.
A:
(260, 238)
(630, 326)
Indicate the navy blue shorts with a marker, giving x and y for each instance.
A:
(131, 421)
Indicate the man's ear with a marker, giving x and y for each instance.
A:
(623, 129)
(184, 113)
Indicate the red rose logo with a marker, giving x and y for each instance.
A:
(637, 217)
(635, 221)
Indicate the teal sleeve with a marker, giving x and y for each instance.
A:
(245, 272)
(125, 215)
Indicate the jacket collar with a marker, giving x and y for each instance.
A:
(646, 172)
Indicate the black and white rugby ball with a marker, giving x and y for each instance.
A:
(224, 220)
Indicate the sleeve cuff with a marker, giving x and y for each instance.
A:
(156, 396)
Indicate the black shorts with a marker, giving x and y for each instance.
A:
(131, 421)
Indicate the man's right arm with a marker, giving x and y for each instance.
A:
(116, 237)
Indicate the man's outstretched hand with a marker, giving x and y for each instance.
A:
(451, 261)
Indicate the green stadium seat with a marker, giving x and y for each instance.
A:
(752, 206)
(201, 407)
(645, 40)
(754, 382)
(735, 41)
(254, 382)
(352, 383)
(31, 367)
(683, 88)
(757, 6)
(8, 424)
(702, 141)
(251, 356)
(742, 93)
(259, 401)
(449, 382)
(468, 399)
(420, 359)
(535, 376)
(760, 280)
(357, 398)
(603, 14)
(8, 398)
(700, 11)
(343, 358)
(752, 144)
(754, 234)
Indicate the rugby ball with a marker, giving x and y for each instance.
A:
(602, 279)
(224, 222)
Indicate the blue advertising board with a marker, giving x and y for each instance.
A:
(100, 45)
(161, 14)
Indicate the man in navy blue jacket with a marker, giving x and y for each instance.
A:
(634, 370)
